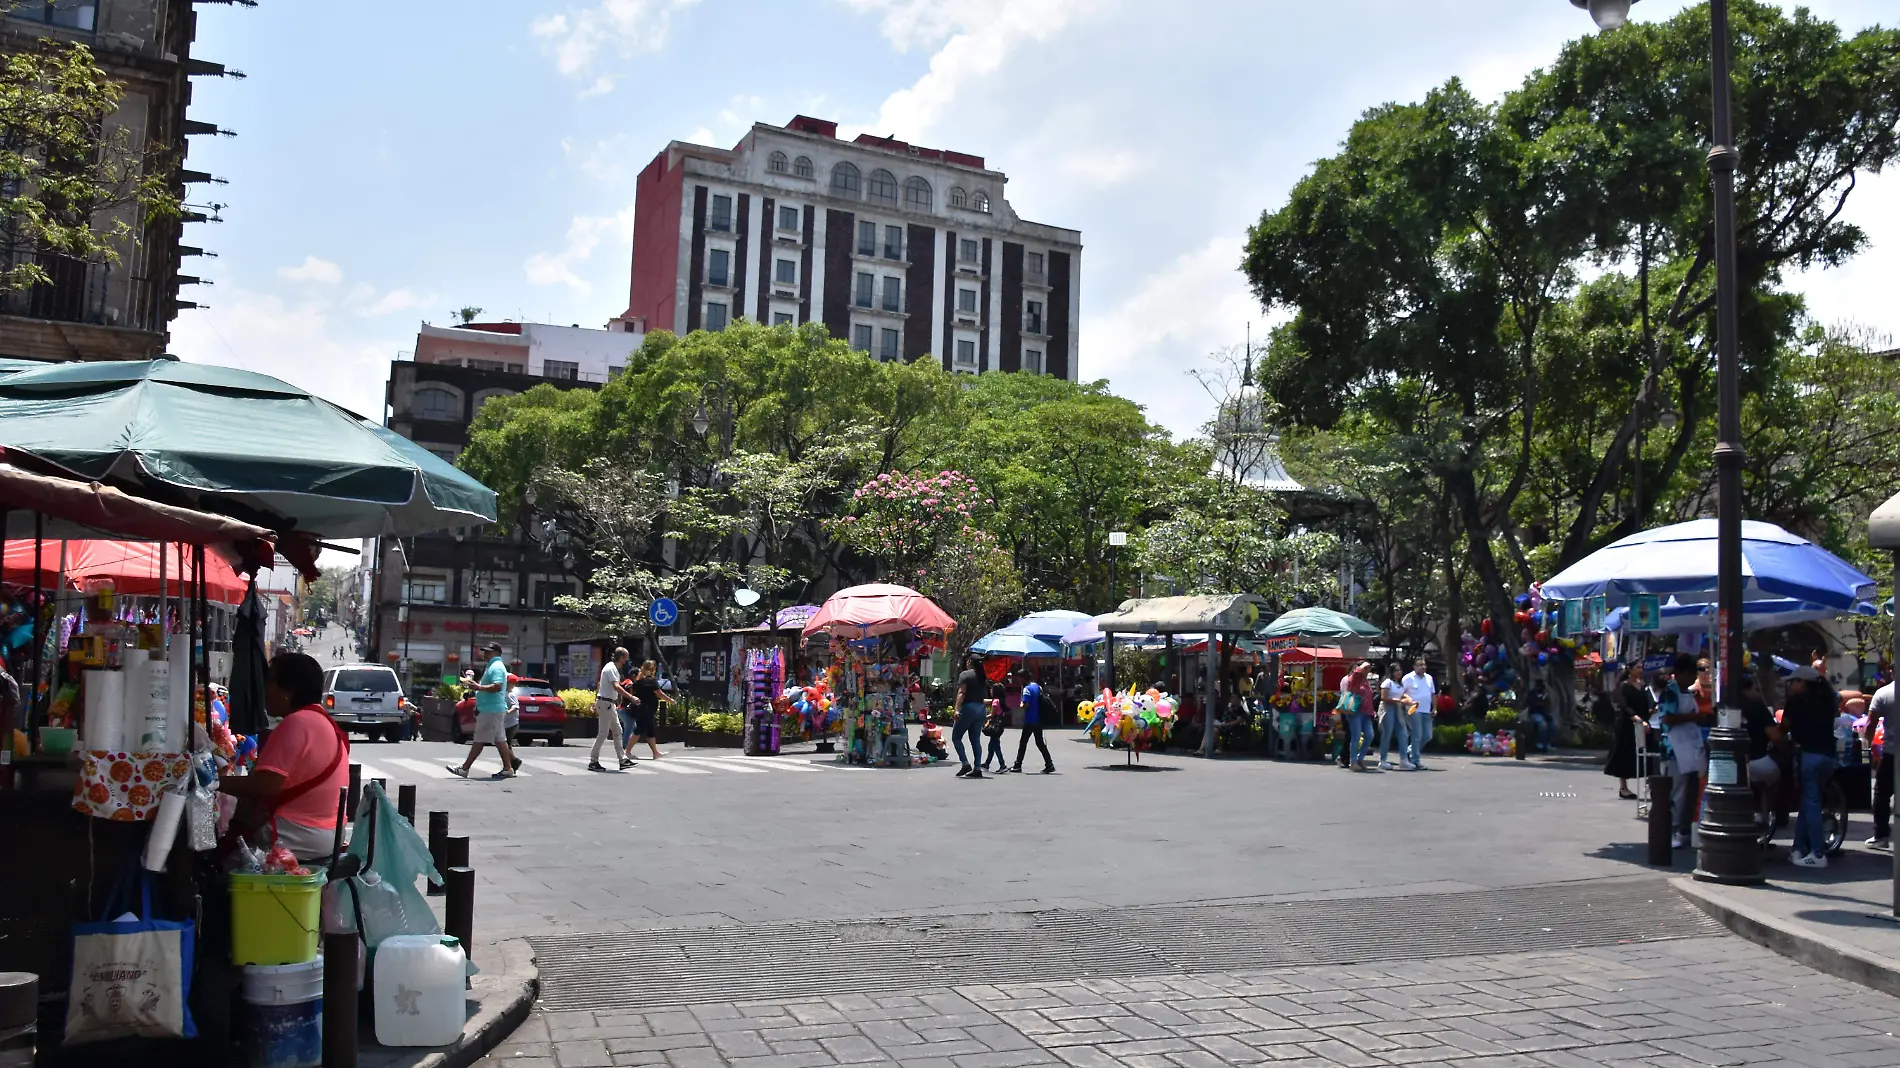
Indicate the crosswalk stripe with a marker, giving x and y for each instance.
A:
(671, 765)
(751, 764)
(557, 767)
(722, 765)
(427, 770)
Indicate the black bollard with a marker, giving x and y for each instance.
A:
(406, 802)
(458, 915)
(438, 846)
(383, 785)
(1661, 852)
(339, 1000)
(458, 851)
(356, 787)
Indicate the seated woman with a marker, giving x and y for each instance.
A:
(291, 794)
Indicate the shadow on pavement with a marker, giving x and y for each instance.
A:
(1132, 767)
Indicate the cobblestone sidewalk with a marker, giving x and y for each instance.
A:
(1673, 1004)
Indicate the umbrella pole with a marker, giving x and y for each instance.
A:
(39, 546)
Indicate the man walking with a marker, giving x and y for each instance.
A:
(1879, 711)
(491, 714)
(607, 695)
(1682, 723)
(1421, 691)
(969, 722)
(1032, 727)
(1393, 726)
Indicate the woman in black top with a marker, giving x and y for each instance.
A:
(1636, 704)
(647, 692)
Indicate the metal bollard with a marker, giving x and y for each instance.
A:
(356, 787)
(438, 847)
(406, 802)
(458, 917)
(1661, 852)
(458, 851)
(339, 1000)
(382, 784)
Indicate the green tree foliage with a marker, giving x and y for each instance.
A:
(75, 184)
(1216, 537)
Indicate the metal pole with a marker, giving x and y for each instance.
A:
(1210, 694)
(457, 850)
(438, 846)
(406, 802)
(339, 1000)
(1728, 852)
(356, 788)
(458, 913)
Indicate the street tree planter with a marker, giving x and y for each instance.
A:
(438, 719)
(714, 739)
(581, 727)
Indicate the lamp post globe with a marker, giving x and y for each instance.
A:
(1609, 14)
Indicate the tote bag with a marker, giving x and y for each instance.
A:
(130, 977)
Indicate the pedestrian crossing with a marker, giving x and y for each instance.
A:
(537, 763)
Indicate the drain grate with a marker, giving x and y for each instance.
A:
(648, 970)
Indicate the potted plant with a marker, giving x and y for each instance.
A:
(582, 721)
(716, 730)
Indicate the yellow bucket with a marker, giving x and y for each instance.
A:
(276, 919)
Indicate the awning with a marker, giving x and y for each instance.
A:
(1229, 612)
(1883, 527)
(77, 509)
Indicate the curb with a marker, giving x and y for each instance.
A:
(1812, 948)
(503, 996)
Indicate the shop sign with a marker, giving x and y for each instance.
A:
(1281, 645)
(457, 626)
(562, 630)
(711, 667)
(672, 641)
(1645, 612)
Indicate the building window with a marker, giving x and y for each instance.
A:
(861, 338)
(722, 213)
(426, 590)
(446, 453)
(881, 187)
(966, 301)
(1032, 316)
(801, 167)
(893, 294)
(959, 198)
(788, 218)
(1035, 263)
(777, 163)
(862, 298)
(566, 370)
(718, 267)
(966, 353)
(887, 348)
(916, 194)
(1032, 361)
(781, 318)
(967, 250)
(615, 368)
(785, 272)
(432, 402)
(547, 590)
(496, 593)
(715, 315)
(844, 181)
(867, 239)
(893, 242)
(70, 14)
(980, 201)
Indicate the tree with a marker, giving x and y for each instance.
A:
(514, 438)
(71, 182)
(1220, 538)
(467, 313)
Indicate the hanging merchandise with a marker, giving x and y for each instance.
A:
(1130, 721)
(765, 679)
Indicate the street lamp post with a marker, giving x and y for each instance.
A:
(1116, 539)
(1728, 852)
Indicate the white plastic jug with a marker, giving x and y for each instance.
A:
(419, 991)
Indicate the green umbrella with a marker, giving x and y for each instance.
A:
(1309, 623)
(237, 442)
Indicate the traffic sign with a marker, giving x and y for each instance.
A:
(672, 641)
(663, 612)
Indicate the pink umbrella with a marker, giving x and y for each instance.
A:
(878, 608)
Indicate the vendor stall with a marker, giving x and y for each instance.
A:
(1209, 615)
(879, 634)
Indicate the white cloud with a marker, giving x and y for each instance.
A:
(584, 233)
(312, 269)
(601, 87)
(1101, 166)
(576, 39)
(300, 341)
(394, 301)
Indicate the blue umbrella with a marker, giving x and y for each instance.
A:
(1680, 559)
(1003, 643)
(1049, 626)
(1756, 615)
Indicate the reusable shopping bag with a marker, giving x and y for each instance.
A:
(130, 976)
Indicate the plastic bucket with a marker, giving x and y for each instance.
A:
(275, 919)
(282, 1025)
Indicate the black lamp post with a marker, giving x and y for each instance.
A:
(1728, 852)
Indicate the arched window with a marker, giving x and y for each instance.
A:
(844, 180)
(958, 198)
(488, 394)
(916, 194)
(801, 167)
(881, 187)
(980, 201)
(777, 163)
(434, 402)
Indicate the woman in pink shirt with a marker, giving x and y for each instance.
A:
(1355, 698)
(291, 794)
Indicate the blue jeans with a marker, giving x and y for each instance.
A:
(1541, 728)
(970, 722)
(1418, 733)
(1393, 733)
(1816, 770)
(1359, 735)
(996, 754)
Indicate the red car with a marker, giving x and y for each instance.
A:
(542, 714)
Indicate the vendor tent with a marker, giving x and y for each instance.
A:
(132, 566)
(1050, 626)
(1223, 612)
(238, 442)
(1680, 559)
(50, 508)
(1309, 624)
(1774, 614)
(878, 608)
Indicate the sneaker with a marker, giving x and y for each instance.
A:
(1879, 842)
(1805, 861)
(517, 763)
(594, 765)
(1385, 765)
(1049, 770)
(458, 772)
(1017, 770)
(503, 774)
(963, 772)
(1679, 841)
(977, 774)
(627, 762)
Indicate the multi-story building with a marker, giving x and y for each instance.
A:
(904, 251)
(114, 309)
(438, 596)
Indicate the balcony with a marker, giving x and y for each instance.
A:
(1036, 279)
(972, 268)
(1033, 326)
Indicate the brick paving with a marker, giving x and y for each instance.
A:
(1685, 1003)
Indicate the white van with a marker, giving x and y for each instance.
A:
(366, 698)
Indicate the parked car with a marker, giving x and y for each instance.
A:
(543, 715)
(366, 698)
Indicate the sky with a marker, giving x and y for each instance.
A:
(394, 161)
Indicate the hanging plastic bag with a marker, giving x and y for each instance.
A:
(131, 976)
(391, 849)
